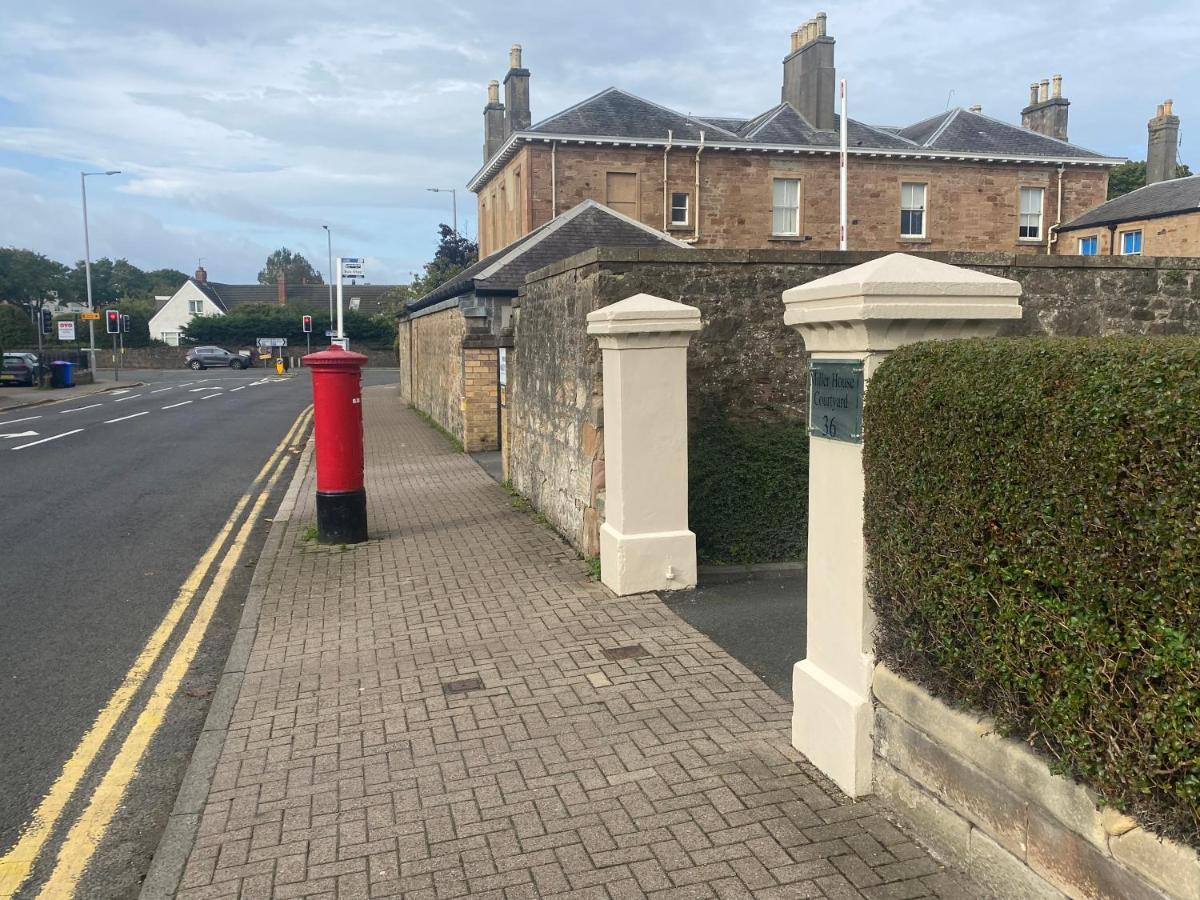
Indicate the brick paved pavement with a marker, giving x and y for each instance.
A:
(349, 772)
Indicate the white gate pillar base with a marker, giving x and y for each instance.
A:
(645, 544)
(860, 315)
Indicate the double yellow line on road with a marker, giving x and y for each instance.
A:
(85, 834)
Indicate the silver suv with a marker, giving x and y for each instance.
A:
(214, 357)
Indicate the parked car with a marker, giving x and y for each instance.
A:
(215, 357)
(20, 368)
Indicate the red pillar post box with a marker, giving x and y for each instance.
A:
(338, 429)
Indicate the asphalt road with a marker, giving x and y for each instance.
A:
(106, 510)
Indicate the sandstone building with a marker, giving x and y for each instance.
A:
(958, 180)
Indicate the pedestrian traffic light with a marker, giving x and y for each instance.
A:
(112, 319)
(47, 320)
(307, 322)
(125, 324)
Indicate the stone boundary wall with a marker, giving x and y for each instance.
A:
(993, 806)
(429, 348)
(745, 363)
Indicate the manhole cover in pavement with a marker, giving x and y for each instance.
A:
(462, 685)
(629, 651)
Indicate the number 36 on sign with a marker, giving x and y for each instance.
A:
(835, 397)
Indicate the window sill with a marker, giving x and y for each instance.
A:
(675, 226)
(1031, 242)
(789, 238)
(914, 240)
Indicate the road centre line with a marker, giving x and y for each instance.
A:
(124, 418)
(173, 405)
(51, 438)
(235, 390)
(86, 834)
(15, 421)
(63, 412)
(130, 397)
(210, 396)
(160, 390)
(185, 384)
(16, 865)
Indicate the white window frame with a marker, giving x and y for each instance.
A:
(686, 208)
(195, 307)
(781, 205)
(1141, 242)
(910, 207)
(1023, 215)
(1095, 244)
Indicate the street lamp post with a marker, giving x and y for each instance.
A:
(453, 202)
(87, 266)
(329, 242)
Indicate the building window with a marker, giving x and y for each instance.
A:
(1088, 246)
(679, 209)
(912, 210)
(195, 307)
(1131, 243)
(1031, 213)
(621, 192)
(785, 213)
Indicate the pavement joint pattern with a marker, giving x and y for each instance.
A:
(349, 770)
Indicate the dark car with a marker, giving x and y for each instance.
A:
(215, 358)
(19, 368)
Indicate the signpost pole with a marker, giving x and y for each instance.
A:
(116, 370)
(340, 334)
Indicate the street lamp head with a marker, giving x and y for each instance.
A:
(113, 172)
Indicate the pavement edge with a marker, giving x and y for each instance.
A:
(175, 846)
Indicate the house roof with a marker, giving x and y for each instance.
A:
(371, 297)
(588, 225)
(1163, 198)
(614, 115)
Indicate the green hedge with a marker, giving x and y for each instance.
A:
(748, 489)
(1033, 530)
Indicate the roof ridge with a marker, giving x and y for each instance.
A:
(879, 130)
(686, 116)
(919, 122)
(768, 117)
(1031, 131)
(945, 124)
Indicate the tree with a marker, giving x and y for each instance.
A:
(454, 253)
(295, 268)
(1129, 176)
(246, 323)
(16, 328)
(27, 277)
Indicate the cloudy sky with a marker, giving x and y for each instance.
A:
(243, 126)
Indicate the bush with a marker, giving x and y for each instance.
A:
(1033, 531)
(246, 323)
(748, 489)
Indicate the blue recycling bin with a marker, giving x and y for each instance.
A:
(61, 374)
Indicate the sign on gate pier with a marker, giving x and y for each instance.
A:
(835, 399)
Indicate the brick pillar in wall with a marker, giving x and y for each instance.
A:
(480, 405)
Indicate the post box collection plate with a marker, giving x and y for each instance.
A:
(835, 400)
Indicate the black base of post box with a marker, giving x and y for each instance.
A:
(341, 517)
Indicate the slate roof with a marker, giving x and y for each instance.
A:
(588, 225)
(1164, 198)
(226, 296)
(614, 114)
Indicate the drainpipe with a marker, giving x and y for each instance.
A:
(1052, 231)
(1112, 239)
(553, 179)
(666, 189)
(696, 230)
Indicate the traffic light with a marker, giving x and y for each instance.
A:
(307, 324)
(125, 324)
(47, 320)
(112, 319)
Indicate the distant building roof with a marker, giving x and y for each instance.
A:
(1163, 198)
(588, 225)
(371, 298)
(614, 115)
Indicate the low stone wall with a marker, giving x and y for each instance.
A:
(746, 365)
(429, 348)
(993, 806)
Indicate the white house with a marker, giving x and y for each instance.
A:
(180, 308)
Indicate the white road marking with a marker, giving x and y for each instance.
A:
(15, 421)
(160, 390)
(235, 390)
(121, 391)
(63, 412)
(130, 397)
(123, 418)
(201, 390)
(173, 405)
(185, 384)
(210, 396)
(53, 438)
(19, 434)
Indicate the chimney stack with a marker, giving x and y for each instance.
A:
(809, 77)
(516, 94)
(1162, 149)
(201, 275)
(975, 109)
(1047, 110)
(493, 121)
(281, 288)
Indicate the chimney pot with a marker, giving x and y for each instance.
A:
(975, 109)
(820, 23)
(1158, 110)
(514, 56)
(201, 275)
(1057, 86)
(493, 91)
(1044, 90)
(795, 40)
(1033, 93)
(1167, 105)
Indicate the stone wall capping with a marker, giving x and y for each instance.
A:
(1171, 866)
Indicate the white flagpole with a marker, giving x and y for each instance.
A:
(842, 241)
